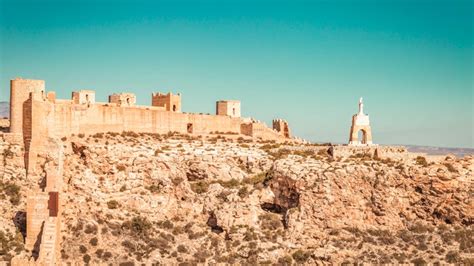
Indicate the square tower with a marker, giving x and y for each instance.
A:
(20, 91)
(123, 99)
(83, 97)
(228, 107)
(171, 102)
(281, 126)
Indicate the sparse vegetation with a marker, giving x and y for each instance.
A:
(450, 168)
(138, 225)
(155, 188)
(112, 204)
(200, 186)
(94, 241)
(233, 183)
(168, 221)
(301, 256)
(270, 221)
(86, 258)
(243, 192)
(12, 191)
(258, 179)
(10, 243)
(420, 160)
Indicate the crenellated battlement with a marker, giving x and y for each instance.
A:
(171, 102)
(37, 115)
(281, 126)
(228, 107)
(123, 99)
(83, 97)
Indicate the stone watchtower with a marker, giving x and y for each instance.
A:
(123, 99)
(83, 97)
(170, 101)
(360, 122)
(282, 127)
(20, 91)
(229, 107)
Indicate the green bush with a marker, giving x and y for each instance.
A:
(12, 190)
(301, 256)
(257, 179)
(233, 183)
(450, 168)
(107, 255)
(420, 160)
(304, 153)
(285, 260)
(86, 258)
(128, 245)
(243, 192)
(270, 221)
(82, 249)
(155, 188)
(280, 153)
(138, 225)
(98, 135)
(10, 242)
(94, 241)
(182, 249)
(113, 204)
(166, 224)
(200, 187)
(419, 261)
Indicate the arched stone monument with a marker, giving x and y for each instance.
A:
(360, 122)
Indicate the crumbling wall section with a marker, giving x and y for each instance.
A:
(260, 130)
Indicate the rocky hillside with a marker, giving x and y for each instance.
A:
(133, 199)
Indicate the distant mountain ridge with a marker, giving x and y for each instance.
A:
(460, 152)
(4, 109)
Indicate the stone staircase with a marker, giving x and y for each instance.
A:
(48, 242)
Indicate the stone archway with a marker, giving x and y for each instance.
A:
(364, 139)
(360, 126)
(362, 136)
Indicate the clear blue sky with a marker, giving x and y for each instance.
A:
(305, 61)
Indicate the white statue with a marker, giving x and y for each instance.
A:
(361, 106)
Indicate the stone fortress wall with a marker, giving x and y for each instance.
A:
(82, 114)
(37, 115)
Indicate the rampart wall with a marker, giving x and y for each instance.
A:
(38, 116)
(63, 119)
(260, 130)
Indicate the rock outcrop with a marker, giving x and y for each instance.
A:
(178, 199)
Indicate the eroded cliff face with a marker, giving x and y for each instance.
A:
(176, 199)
